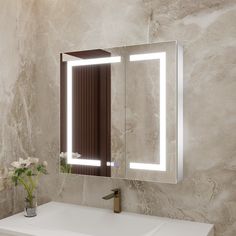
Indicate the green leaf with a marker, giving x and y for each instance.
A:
(15, 179)
(20, 171)
(41, 169)
(29, 172)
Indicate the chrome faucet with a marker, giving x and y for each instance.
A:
(117, 199)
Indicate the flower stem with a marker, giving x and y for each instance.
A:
(29, 190)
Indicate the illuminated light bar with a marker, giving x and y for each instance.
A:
(146, 56)
(144, 166)
(95, 61)
(84, 162)
(162, 57)
(70, 159)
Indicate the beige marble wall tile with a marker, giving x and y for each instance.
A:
(17, 96)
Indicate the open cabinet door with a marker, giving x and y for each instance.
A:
(91, 96)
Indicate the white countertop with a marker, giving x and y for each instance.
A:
(62, 219)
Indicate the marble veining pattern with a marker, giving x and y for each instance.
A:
(207, 31)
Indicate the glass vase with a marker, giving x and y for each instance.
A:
(30, 209)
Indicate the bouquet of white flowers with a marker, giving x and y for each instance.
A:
(27, 172)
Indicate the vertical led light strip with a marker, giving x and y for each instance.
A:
(163, 111)
(69, 113)
(70, 65)
(162, 166)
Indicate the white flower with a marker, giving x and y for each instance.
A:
(24, 163)
(63, 155)
(21, 163)
(16, 164)
(33, 160)
(45, 164)
(74, 155)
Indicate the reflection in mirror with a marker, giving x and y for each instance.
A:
(121, 112)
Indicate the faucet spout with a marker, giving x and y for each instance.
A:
(117, 199)
(109, 196)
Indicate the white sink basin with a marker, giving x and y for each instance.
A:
(60, 219)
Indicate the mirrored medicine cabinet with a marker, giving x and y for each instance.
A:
(121, 112)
